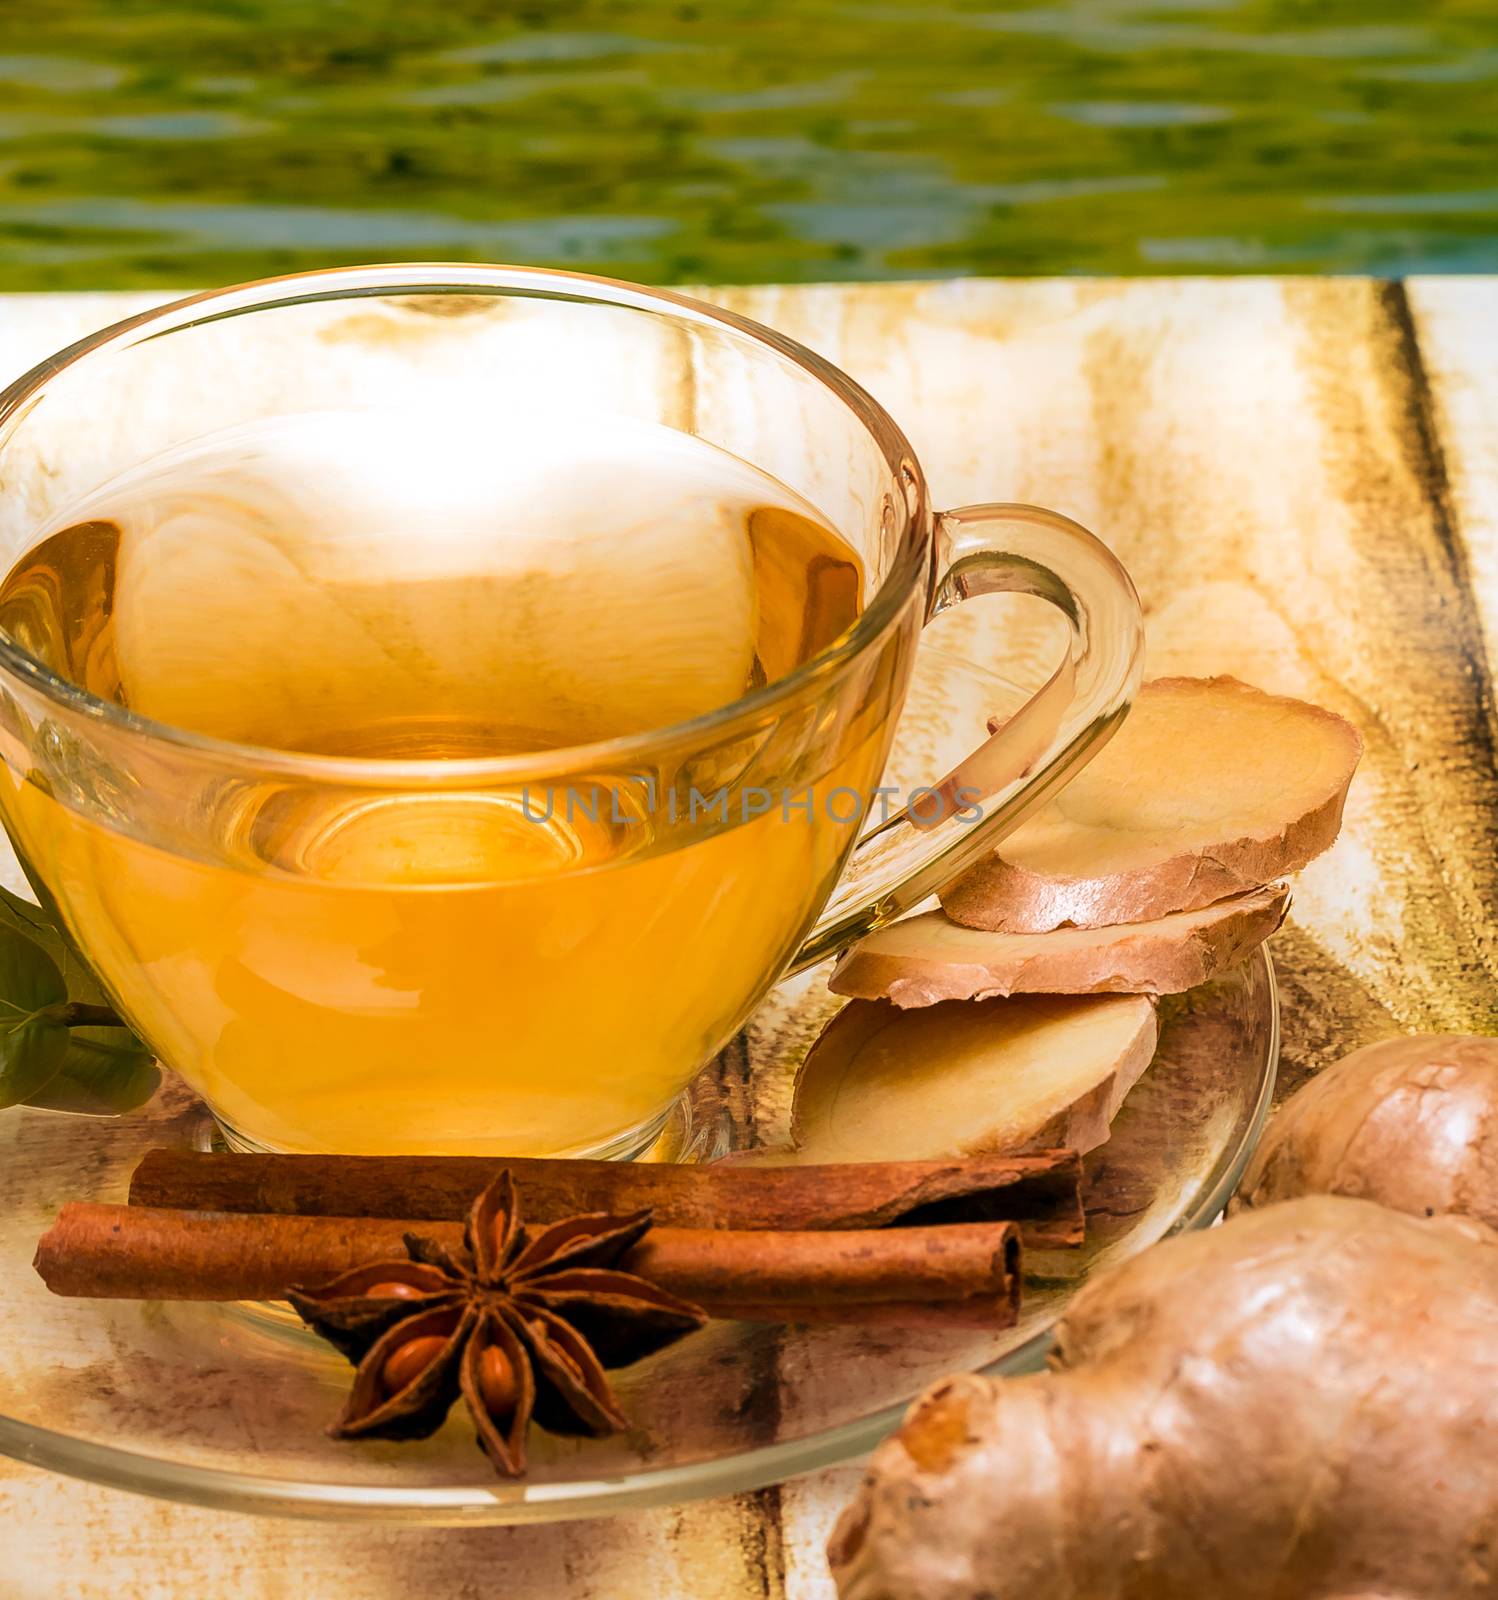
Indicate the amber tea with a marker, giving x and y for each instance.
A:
(471, 966)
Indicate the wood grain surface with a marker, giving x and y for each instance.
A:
(1302, 476)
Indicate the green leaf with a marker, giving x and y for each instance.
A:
(104, 1071)
(48, 905)
(33, 1043)
(31, 919)
(45, 928)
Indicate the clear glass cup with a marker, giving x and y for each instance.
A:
(254, 910)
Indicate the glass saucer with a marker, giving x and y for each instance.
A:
(217, 1405)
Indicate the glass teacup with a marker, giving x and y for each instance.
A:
(442, 700)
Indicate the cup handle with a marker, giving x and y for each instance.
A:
(993, 549)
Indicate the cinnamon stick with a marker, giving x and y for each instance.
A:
(920, 1276)
(1040, 1192)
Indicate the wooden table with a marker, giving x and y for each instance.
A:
(1302, 476)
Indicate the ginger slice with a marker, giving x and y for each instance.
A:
(1209, 789)
(930, 958)
(966, 1078)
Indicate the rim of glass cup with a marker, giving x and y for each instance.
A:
(542, 283)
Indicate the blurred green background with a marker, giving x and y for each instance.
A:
(169, 144)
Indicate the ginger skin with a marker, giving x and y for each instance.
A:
(1411, 1123)
(1302, 1403)
(930, 958)
(1210, 788)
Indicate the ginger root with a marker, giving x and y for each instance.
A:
(1303, 1402)
(1411, 1123)
(1211, 788)
(929, 958)
(968, 1078)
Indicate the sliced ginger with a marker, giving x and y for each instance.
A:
(963, 1078)
(1209, 789)
(930, 958)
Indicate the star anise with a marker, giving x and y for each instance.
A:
(521, 1325)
